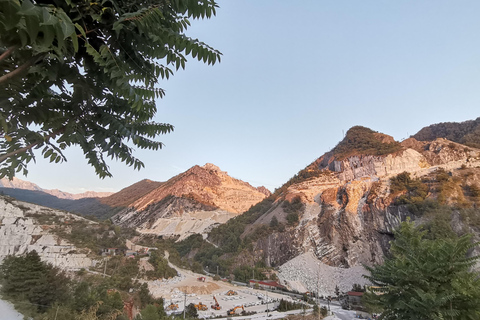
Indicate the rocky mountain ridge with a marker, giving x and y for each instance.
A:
(349, 210)
(191, 202)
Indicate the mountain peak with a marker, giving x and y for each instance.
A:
(364, 141)
(191, 202)
(211, 166)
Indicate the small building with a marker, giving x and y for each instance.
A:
(266, 284)
(110, 251)
(130, 253)
(355, 299)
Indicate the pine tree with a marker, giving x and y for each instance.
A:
(426, 279)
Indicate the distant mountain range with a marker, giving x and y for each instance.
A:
(16, 183)
(190, 202)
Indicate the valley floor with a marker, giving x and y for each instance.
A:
(173, 291)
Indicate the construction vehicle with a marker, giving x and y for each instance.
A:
(231, 293)
(232, 311)
(216, 306)
(201, 279)
(201, 307)
(172, 307)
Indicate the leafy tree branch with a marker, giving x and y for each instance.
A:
(90, 70)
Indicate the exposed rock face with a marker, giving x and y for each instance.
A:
(21, 232)
(367, 166)
(191, 202)
(349, 218)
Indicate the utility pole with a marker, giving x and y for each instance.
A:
(318, 293)
(267, 302)
(184, 304)
(105, 267)
(217, 270)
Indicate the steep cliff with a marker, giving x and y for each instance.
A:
(191, 202)
(26, 227)
(349, 207)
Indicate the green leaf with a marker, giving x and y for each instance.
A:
(74, 41)
(33, 27)
(66, 25)
(82, 32)
(28, 8)
(11, 16)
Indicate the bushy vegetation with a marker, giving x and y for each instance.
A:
(410, 192)
(162, 269)
(96, 236)
(467, 133)
(227, 236)
(245, 273)
(285, 305)
(363, 141)
(293, 209)
(41, 291)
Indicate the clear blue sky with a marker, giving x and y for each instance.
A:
(294, 76)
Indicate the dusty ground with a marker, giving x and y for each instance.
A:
(173, 291)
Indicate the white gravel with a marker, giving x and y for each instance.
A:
(307, 273)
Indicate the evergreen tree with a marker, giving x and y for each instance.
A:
(28, 278)
(150, 313)
(191, 311)
(426, 279)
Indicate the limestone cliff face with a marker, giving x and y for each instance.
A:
(348, 214)
(21, 231)
(191, 202)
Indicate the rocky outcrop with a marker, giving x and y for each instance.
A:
(192, 202)
(349, 215)
(369, 166)
(21, 231)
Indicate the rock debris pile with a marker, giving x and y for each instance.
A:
(306, 273)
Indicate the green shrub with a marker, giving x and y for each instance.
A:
(292, 218)
(363, 141)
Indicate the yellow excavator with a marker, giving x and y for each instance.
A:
(216, 306)
(201, 307)
(232, 311)
(231, 293)
(172, 307)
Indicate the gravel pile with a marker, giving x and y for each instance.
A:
(306, 273)
(161, 287)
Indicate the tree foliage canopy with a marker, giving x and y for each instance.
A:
(85, 73)
(426, 279)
